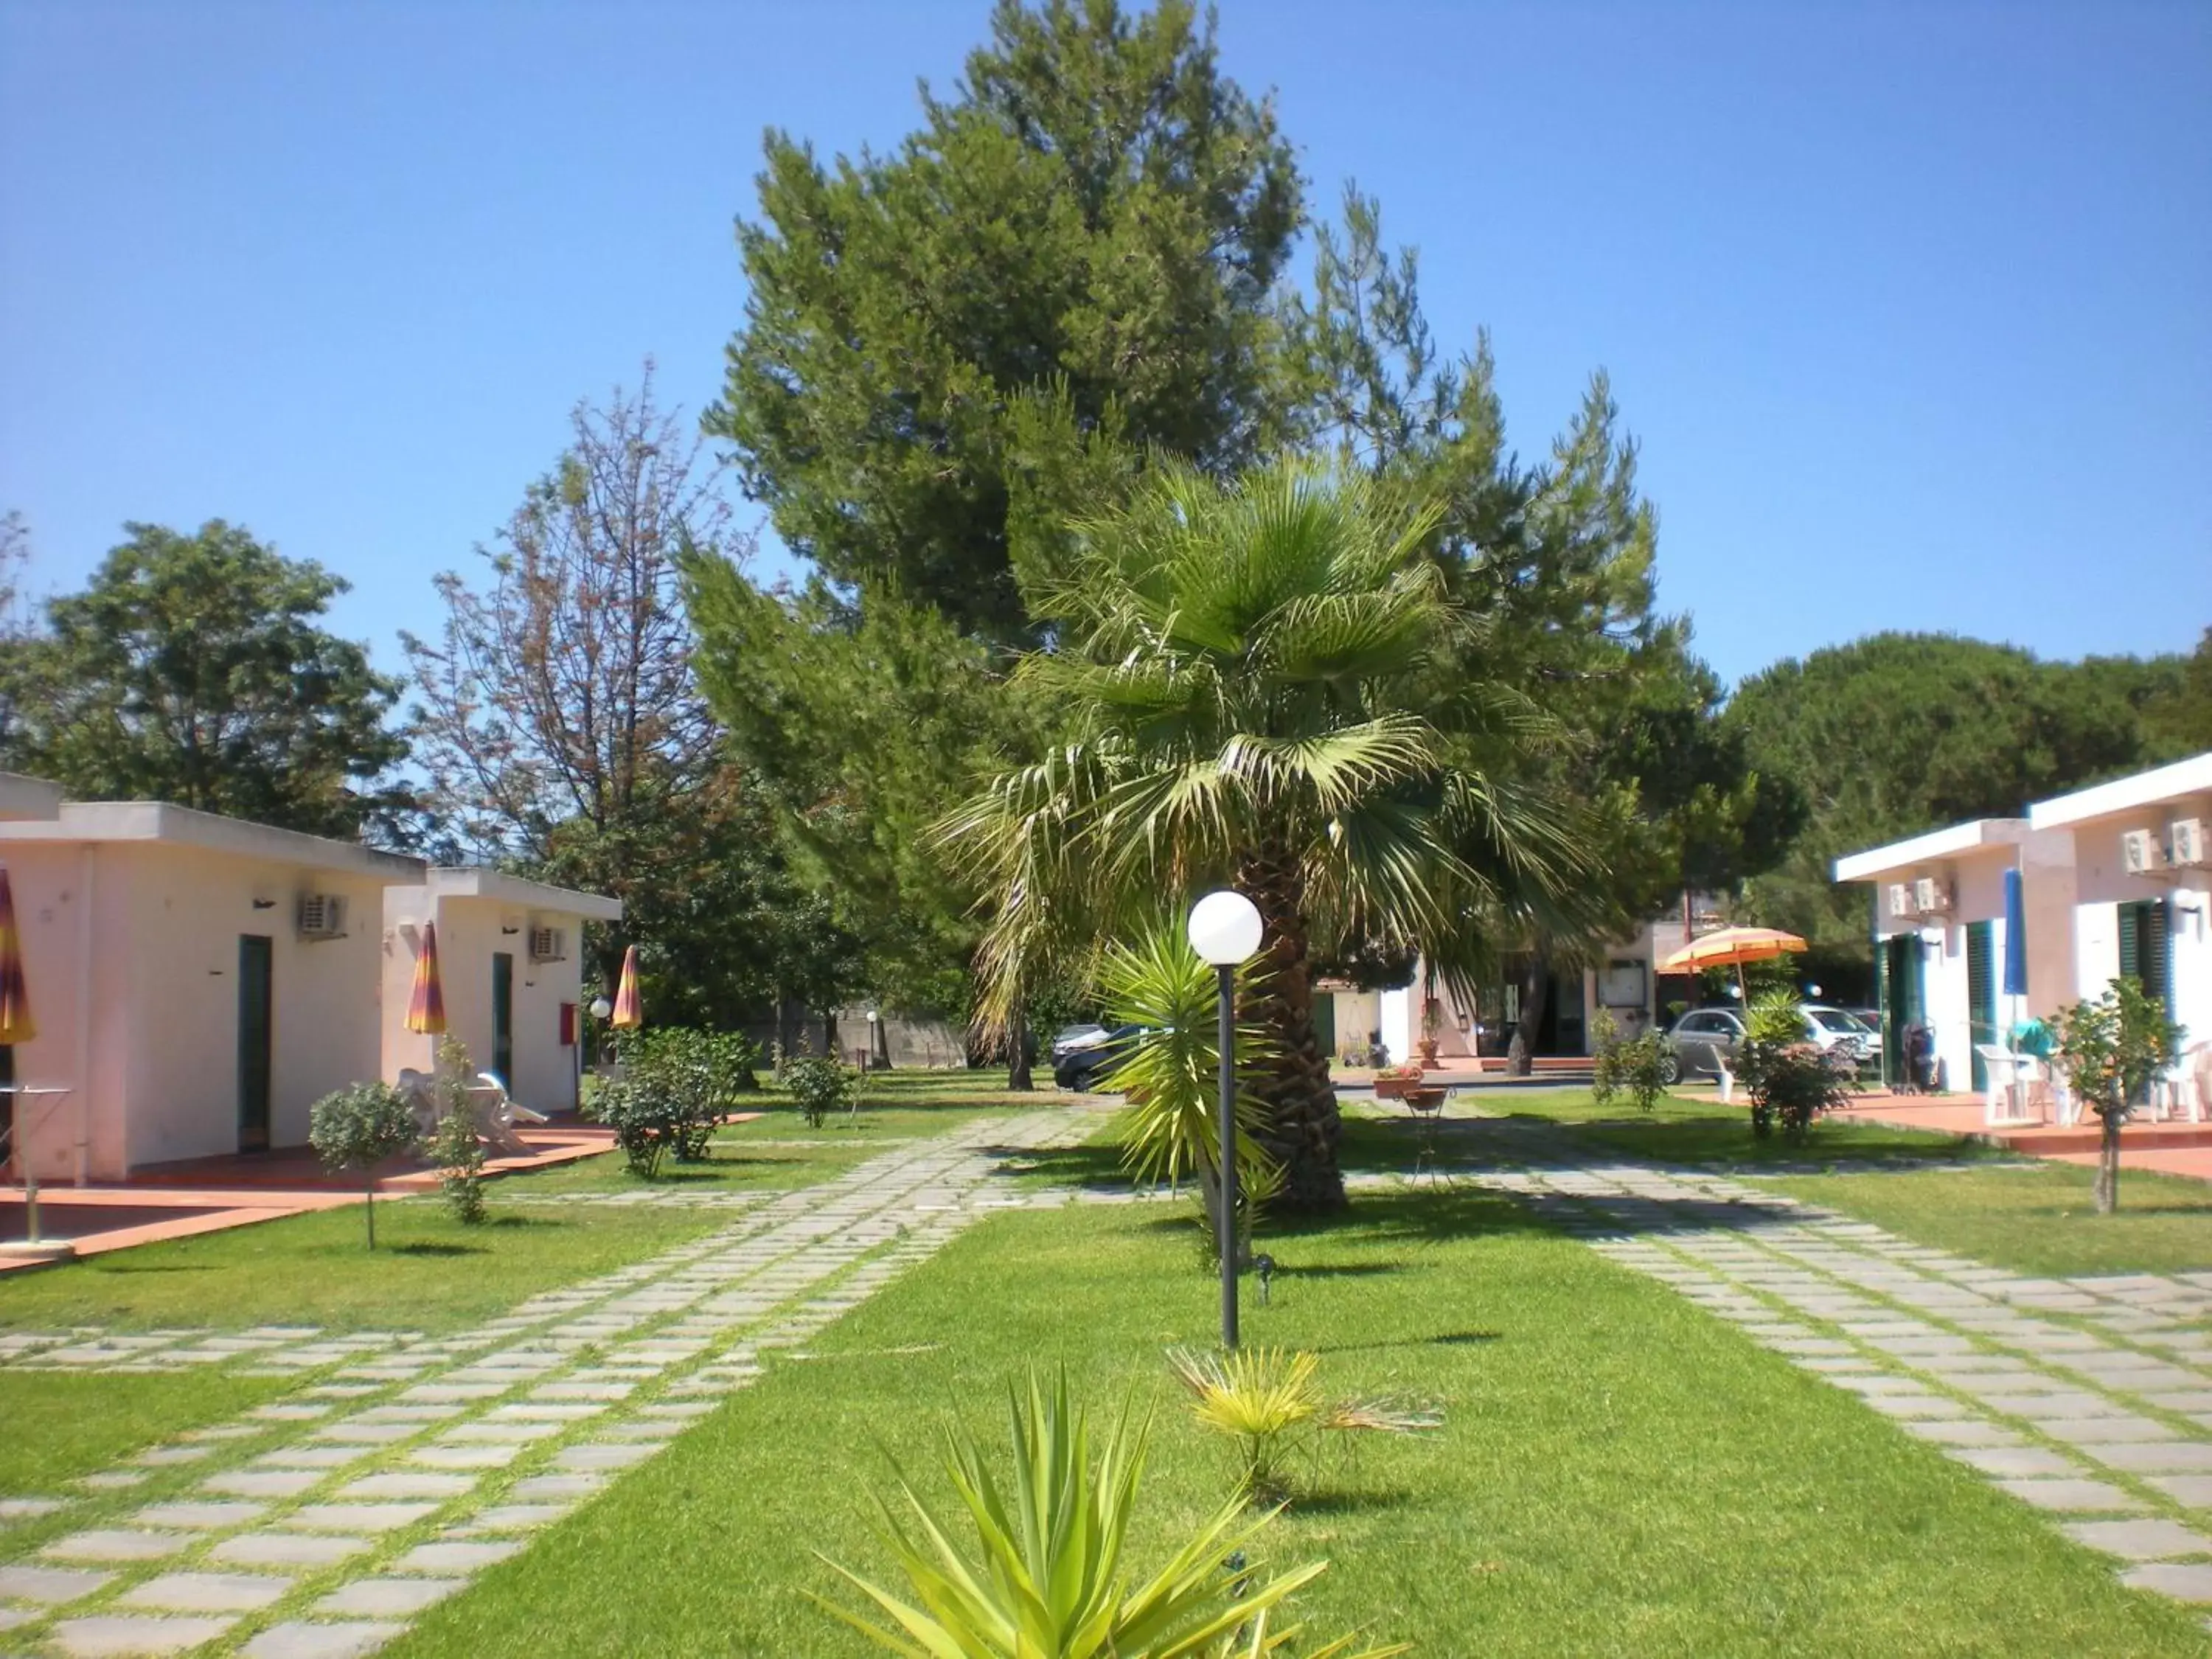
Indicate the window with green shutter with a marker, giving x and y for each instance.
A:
(2147, 950)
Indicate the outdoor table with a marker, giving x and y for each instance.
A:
(18, 1140)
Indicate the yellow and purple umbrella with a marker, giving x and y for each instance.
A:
(426, 1005)
(630, 1007)
(1732, 947)
(17, 1024)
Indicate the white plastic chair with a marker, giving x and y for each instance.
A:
(1728, 1079)
(2003, 1067)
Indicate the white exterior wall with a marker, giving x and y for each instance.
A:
(471, 930)
(68, 897)
(1977, 883)
(156, 1073)
(2104, 885)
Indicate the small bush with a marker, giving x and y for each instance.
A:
(1790, 1081)
(702, 1072)
(357, 1127)
(1635, 1066)
(820, 1087)
(454, 1147)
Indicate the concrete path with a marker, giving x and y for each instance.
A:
(320, 1526)
(2090, 1399)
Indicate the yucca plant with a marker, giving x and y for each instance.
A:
(1270, 1401)
(1048, 1577)
(1172, 1076)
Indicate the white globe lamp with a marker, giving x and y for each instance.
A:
(1224, 928)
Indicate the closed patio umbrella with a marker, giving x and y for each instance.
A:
(1732, 947)
(2015, 960)
(426, 1004)
(17, 1024)
(630, 1007)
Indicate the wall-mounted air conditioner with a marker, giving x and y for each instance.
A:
(2140, 853)
(322, 915)
(549, 944)
(1931, 896)
(1900, 901)
(2184, 843)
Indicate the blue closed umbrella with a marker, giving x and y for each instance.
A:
(2015, 962)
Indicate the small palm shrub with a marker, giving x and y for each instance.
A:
(1047, 1577)
(1270, 1403)
(1634, 1066)
(357, 1127)
(820, 1086)
(1172, 1076)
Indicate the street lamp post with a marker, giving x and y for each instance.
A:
(601, 1010)
(1224, 930)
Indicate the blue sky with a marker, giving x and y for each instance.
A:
(1910, 306)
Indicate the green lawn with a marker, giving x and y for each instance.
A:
(730, 1166)
(1695, 1130)
(1618, 1473)
(427, 1272)
(2035, 1219)
(62, 1424)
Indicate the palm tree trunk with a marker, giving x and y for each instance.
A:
(1018, 1058)
(1302, 1127)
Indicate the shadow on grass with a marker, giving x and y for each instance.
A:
(436, 1248)
(1343, 1501)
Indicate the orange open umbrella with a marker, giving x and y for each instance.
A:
(17, 1024)
(1732, 947)
(426, 1004)
(630, 1007)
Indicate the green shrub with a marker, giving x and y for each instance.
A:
(454, 1147)
(820, 1086)
(357, 1127)
(1635, 1066)
(1791, 1080)
(702, 1073)
(648, 1116)
(1047, 1577)
(2111, 1050)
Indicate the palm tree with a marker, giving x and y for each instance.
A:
(1249, 672)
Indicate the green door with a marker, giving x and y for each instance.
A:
(502, 1018)
(1981, 996)
(1901, 1002)
(2147, 950)
(256, 980)
(1324, 1023)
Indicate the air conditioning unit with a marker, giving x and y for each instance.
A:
(1900, 901)
(2141, 853)
(1931, 898)
(2186, 844)
(549, 944)
(322, 915)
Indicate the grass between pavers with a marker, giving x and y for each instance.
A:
(2035, 1218)
(1618, 1472)
(62, 1424)
(427, 1272)
(730, 1167)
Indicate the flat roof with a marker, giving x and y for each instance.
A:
(28, 797)
(1957, 841)
(158, 823)
(2192, 777)
(449, 882)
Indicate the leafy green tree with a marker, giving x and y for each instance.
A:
(1555, 560)
(1244, 668)
(2175, 704)
(1899, 733)
(358, 1128)
(1095, 208)
(191, 670)
(2112, 1048)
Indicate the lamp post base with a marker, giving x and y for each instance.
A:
(39, 1249)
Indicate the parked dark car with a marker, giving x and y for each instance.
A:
(1087, 1060)
(1700, 1041)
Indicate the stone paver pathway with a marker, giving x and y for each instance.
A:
(2090, 1399)
(321, 1524)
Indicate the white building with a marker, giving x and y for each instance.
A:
(198, 981)
(2114, 879)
